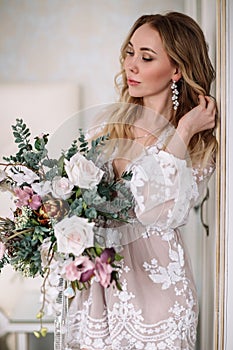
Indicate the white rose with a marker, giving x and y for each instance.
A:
(74, 235)
(42, 188)
(61, 187)
(82, 172)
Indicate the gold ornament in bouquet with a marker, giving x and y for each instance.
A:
(58, 207)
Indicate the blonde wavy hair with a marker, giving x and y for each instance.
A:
(186, 47)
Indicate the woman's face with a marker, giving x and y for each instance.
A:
(147, 66)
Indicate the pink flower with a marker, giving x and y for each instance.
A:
(108, 255)
(2, 250)
(26, 196)
(87, 275)
(103, 272)
(79, 267)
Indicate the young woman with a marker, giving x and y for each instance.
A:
(162, 130)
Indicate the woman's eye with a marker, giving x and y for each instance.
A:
(147, 59)
(129, 52)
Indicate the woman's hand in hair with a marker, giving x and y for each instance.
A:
(200, 118)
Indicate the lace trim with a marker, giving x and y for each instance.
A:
(127, 330)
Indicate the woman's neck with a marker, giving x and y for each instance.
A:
(160, 105)
(155, 116)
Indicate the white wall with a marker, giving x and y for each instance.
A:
(71, 40)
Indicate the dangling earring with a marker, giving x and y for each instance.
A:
(175, 94)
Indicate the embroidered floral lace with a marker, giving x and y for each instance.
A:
(157, 308)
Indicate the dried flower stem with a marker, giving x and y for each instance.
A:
(18, 233)
(41, 311)
(6, 165)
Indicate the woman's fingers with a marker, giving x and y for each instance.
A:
(202, 101)
(211, 104)
(200, 118)
(207, 102)
(208, 110)
(211, 110)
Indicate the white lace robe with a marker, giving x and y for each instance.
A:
(157, 308)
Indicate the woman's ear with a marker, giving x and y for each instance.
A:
(177, 74)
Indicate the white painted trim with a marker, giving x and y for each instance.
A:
(229, 178)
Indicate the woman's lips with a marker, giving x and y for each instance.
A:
(132, 82)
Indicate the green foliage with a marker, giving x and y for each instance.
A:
(26, 155)
(115, 277)
(127, 175)
(82, 145)
(76, 207)
(95, 149)
(72, 150)
(4, 261)
(40, 233)
(83, 148)
(27, 258)
(40, 143)
(91, 213)
(92, 197)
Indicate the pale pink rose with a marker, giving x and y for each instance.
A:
(103, 272)
(83, 172)
(78, 267)
(2, 250)
(26, 196)
(61, 187)
(73, 235)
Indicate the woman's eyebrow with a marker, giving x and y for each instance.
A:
(148, 49)
(144, 48)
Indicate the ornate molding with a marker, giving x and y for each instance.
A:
(219, 339)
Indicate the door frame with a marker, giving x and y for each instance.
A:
(224, 239)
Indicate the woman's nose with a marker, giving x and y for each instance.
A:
(132, 64)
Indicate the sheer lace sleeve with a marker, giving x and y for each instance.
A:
(165, 189)
(201, 177)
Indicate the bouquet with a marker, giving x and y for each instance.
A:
(61, 207)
